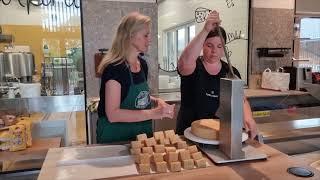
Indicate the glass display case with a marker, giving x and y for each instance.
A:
(42, 101)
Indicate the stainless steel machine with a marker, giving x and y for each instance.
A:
(17, 64)
(230, 113)
(15, 68)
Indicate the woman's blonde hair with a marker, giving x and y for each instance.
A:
(128, 26)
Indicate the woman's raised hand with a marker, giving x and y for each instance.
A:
(212, 21)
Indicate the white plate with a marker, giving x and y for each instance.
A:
(187, 133)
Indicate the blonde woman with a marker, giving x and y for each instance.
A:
(125, 102)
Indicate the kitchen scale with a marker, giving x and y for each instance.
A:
(230, 112)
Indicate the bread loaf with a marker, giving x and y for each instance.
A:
(206, 128)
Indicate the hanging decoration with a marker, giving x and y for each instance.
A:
(5, 2)
(28, 3)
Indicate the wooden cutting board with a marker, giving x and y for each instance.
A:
(88, 163)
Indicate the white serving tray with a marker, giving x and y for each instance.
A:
(188, 134)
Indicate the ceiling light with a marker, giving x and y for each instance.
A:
(35, 2)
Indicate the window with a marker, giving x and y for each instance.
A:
(176, 40)
(308, 42)
(192, 32)
(181, 40)
(171, 49)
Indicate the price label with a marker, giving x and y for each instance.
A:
(256, 114)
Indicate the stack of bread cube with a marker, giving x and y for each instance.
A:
(165, 151)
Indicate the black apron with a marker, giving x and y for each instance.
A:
(205, 98)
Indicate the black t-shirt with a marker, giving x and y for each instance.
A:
(200, 94)
(120, 73)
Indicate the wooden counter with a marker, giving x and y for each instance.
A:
(275, 167)
(250, 93)
(37, 151)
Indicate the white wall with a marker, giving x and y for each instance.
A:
(278, 4)
(14, 14)
(174, 12)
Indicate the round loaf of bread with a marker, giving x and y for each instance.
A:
(206, 128)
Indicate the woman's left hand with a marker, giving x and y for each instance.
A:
(251, 127)
(169, 109)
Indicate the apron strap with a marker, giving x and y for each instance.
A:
(130, 73)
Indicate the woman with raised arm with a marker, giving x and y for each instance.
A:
(200, 77)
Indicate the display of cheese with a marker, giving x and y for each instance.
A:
(142, 137)
(158, 135)
(18, 133)
(2, 124)
(16, 137)
(135, 151)
(161, 157)
(161, 166)
(5, 145)
(206, 128)
(9, 120)
(5, 139)
(28, 127)
(144, 168)
(136, 144)
(169, 133)
(5, 135)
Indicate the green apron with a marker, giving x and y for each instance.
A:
(138, 98)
